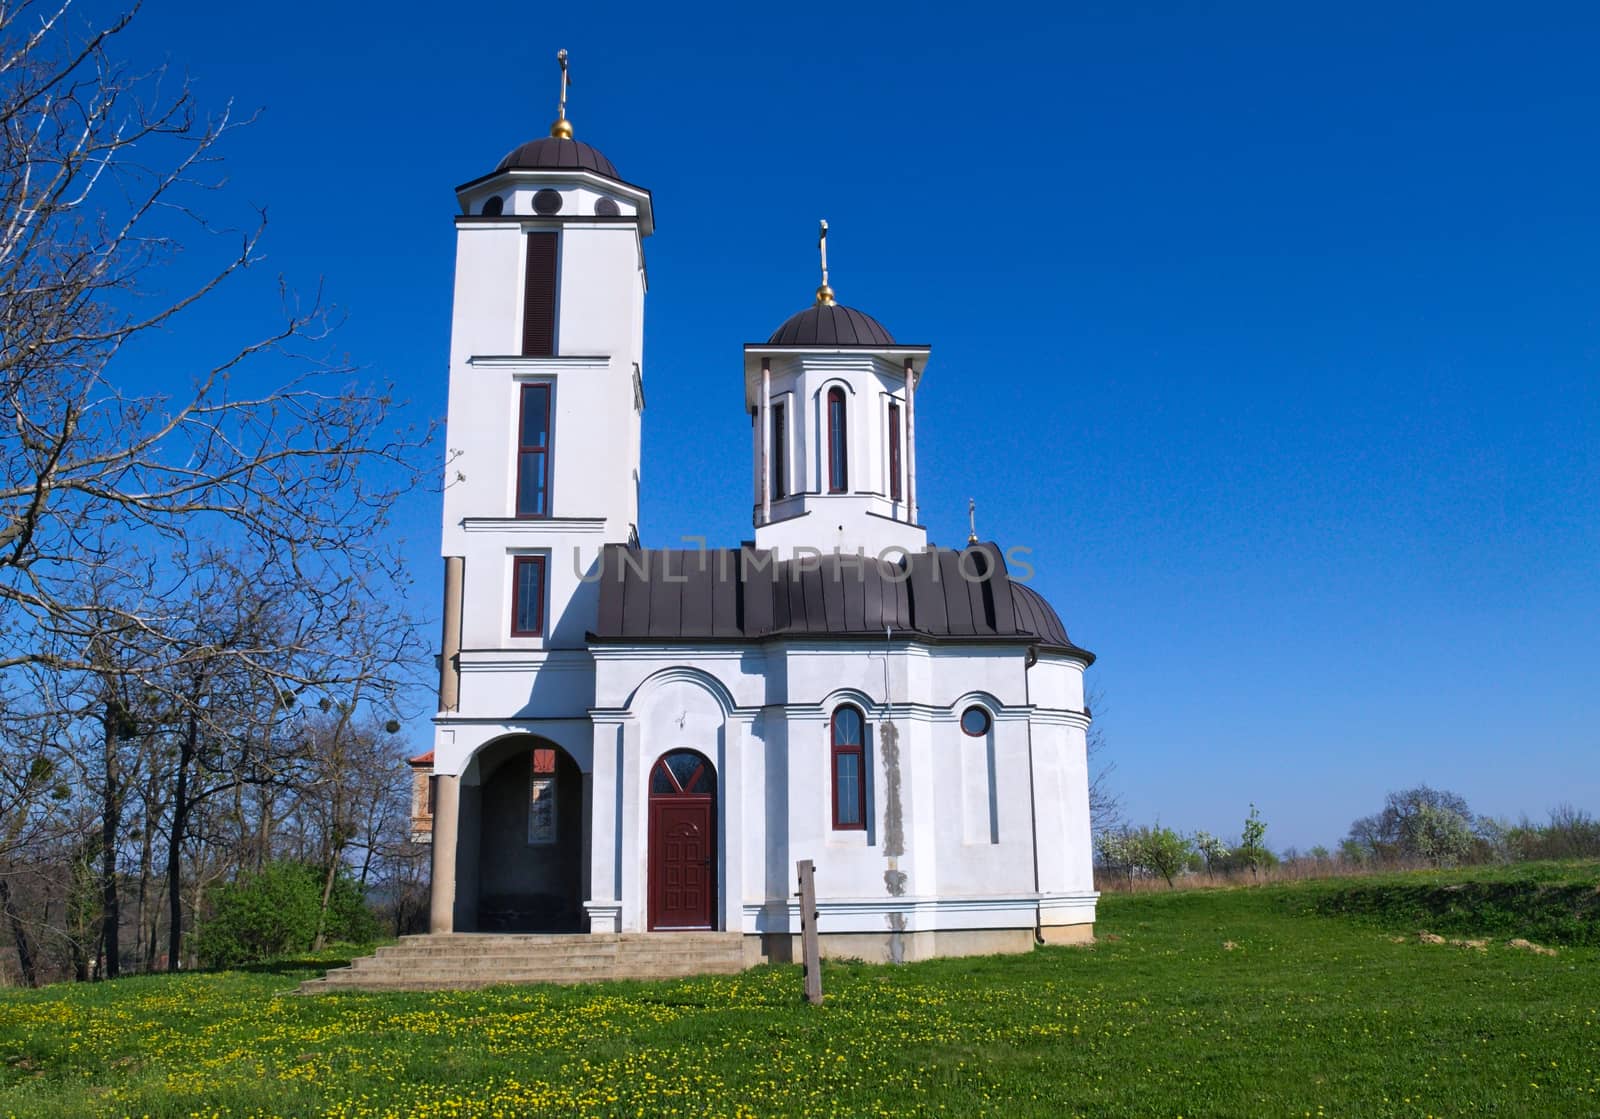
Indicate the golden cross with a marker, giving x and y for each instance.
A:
(561, 57)
(562, 128)
(824, 293)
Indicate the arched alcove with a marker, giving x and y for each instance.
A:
(530, 839)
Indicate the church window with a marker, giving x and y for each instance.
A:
(683, 773)
(493, 206)
(894, 451)
(848, 758)
(780, 453)
(542, 805)
(539, 297)
(975, 721)
(527, 596)
(838, 459)
(533, 452)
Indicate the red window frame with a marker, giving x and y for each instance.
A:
(894, 451)
(780, 452)
(857, 750)
(536, 456)
(519, 563)
(838, 451)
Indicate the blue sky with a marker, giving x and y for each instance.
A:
(1274, 332)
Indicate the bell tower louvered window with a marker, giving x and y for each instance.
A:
(539, 297)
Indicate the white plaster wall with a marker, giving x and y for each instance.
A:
(763, 715)
(1061, 791)
(595, 424)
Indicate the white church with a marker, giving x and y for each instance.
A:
(635, 740)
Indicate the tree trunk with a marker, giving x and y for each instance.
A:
(110, 825)
(327, 893)
(141, 905)
(180, 821)
(30, 976)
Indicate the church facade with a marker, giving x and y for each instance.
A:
(647, 740)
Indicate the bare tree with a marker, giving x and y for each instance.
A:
(1105, 804)
(182, 566)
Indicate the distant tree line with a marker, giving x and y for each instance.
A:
(1418, 827)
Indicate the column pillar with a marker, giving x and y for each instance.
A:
(450, 639)
(603, 905)
(766, 440)
(446, 813)
(911, 443)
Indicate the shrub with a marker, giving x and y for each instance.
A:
(1440, 836)
(1212, 850)
(274, 912)
(1559, 912)
(1160, 851)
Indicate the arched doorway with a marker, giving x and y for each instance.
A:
(683, 842)
(530, 840)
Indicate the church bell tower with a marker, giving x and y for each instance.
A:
(545, 402)
(833, 399)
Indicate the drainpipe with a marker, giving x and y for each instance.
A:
(1033, 796)
(911, 444)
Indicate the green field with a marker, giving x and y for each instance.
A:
(1284, 1000)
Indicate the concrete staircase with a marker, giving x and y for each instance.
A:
(458, 960)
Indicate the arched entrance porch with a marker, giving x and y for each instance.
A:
(523, 825)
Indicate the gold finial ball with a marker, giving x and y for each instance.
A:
(562, 129)
(825, 296)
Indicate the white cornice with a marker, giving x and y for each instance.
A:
(536, 526)
(541, 364)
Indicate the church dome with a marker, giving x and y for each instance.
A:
(555, 153)
(1036, 616)
(829, 324)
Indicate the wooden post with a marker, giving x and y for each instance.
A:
(810, 953)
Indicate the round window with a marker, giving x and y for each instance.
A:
(975, 721)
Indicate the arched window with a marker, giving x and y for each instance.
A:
(894, 451)
(848, 759)
(780, 452)
(838, 457)
(493, 206)
(683, 773)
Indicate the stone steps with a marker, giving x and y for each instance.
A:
(465, 960)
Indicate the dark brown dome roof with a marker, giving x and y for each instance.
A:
(554, 154)
(831, 325)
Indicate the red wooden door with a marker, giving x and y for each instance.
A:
(683, 843)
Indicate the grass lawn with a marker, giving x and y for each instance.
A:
(1202, 1002)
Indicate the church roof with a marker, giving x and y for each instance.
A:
(559, 154)
(829, 324)
(729, 594)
